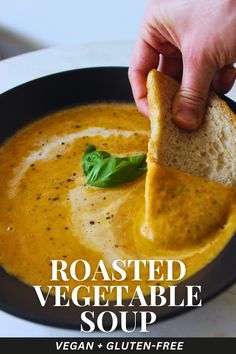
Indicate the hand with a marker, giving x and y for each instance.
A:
(194, 41)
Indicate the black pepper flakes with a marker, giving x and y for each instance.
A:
(55, 198)
(91, 222)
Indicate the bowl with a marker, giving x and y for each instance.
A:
(32, 100)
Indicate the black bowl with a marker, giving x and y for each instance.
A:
(32, 100)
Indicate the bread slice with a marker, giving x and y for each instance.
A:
(184, 213)
(209, 152)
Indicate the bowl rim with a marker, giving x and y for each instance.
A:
(175, 311)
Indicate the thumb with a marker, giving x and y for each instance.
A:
(191, 100)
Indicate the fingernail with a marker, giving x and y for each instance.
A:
(187, 119)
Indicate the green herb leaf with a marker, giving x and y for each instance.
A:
(91, 157)
(106, 171)
(90, 148)
(139, 161)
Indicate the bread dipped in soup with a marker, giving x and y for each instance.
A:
(75, 185)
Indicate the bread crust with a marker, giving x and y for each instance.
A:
(209, 152)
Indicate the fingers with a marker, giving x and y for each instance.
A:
(224, 79)
(144, 58)
(171, 66)
(190, 102)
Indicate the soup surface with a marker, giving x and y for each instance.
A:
(48, 213)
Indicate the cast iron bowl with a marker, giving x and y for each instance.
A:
(28, 102)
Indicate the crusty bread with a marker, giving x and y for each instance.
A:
(209, 152)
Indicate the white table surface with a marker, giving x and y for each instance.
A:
(216, 318)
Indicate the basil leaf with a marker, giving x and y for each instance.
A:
(91, 157)
(90, 148)
(114, 171)
(139, 161)
(105, 171)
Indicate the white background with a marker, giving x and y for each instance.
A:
(30, 24)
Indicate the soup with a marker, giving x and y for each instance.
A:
(48, 213)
